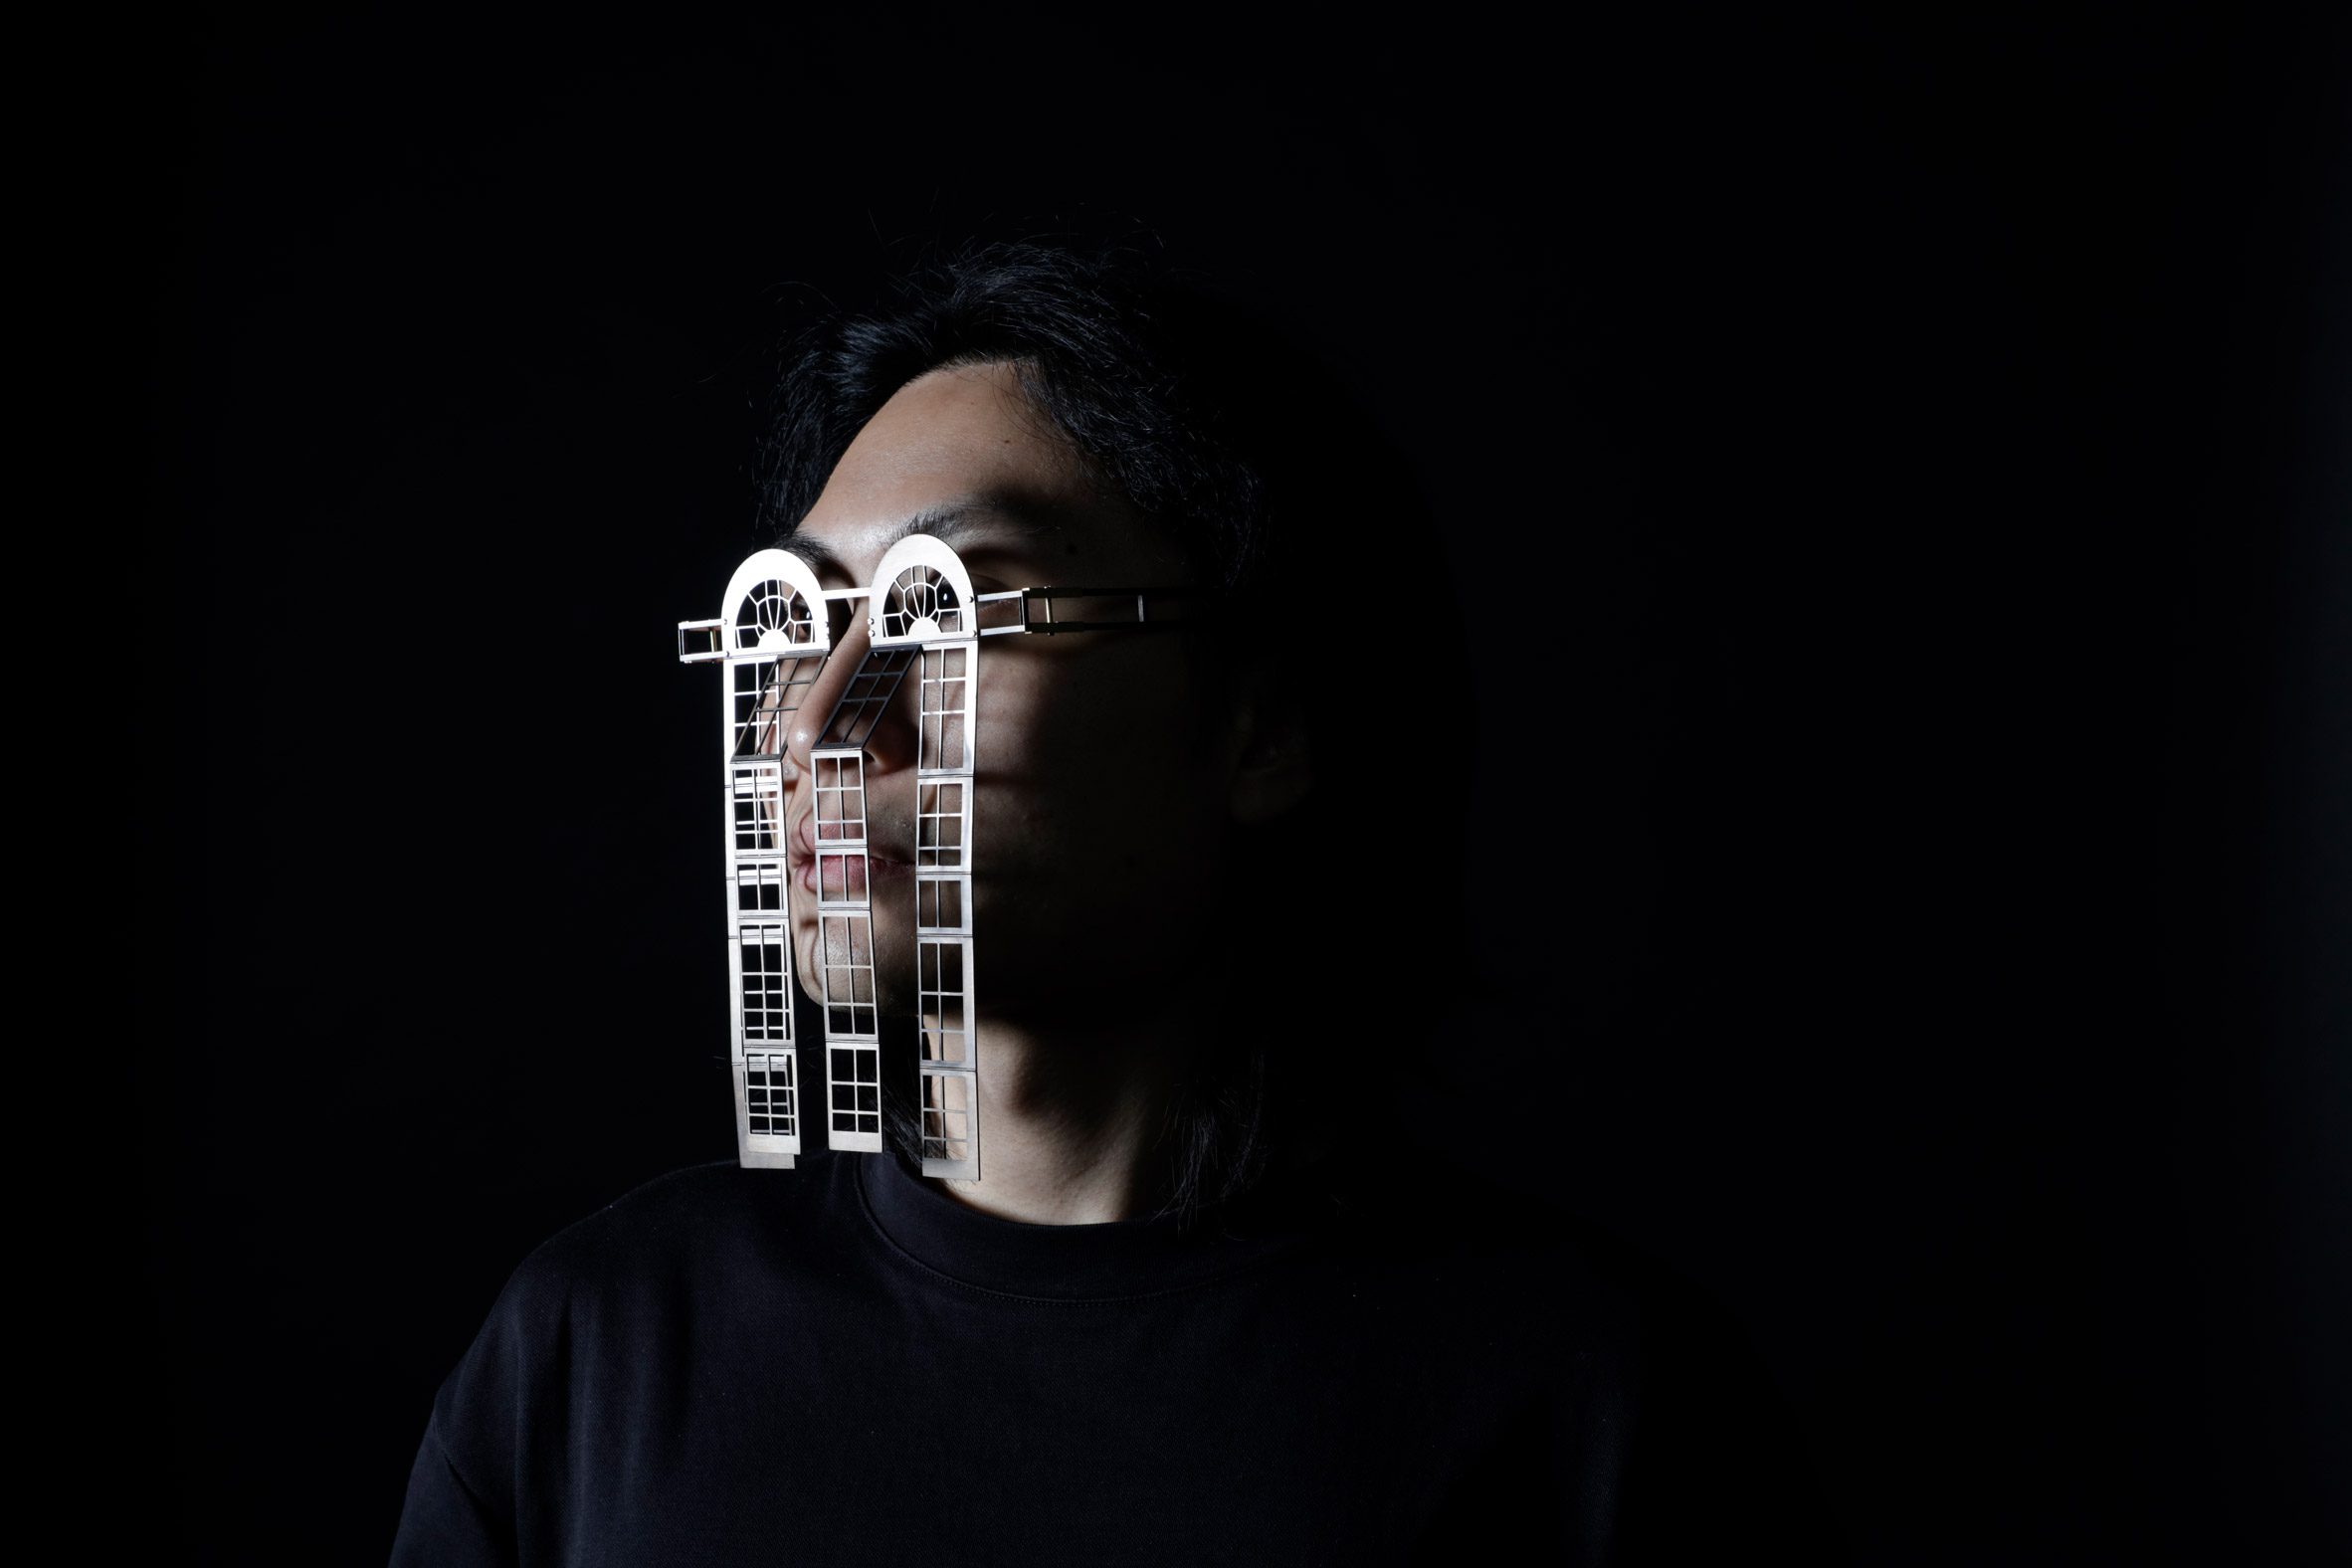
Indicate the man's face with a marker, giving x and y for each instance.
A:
(1099, 816)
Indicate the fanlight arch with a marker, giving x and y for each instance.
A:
(771, 606)
(922, 594)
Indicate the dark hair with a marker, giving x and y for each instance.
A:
(1228, 432)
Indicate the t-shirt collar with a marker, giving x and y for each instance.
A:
(1118, 1258)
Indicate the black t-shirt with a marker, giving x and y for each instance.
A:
(841, 1364)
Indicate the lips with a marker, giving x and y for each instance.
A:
(801, 852)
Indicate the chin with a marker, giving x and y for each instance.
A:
(890, 963)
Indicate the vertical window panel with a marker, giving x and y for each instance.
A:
(765, 968)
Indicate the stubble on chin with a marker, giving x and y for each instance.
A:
(817, 942)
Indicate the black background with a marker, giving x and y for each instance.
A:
(1894, 464)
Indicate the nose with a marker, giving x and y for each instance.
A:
(824, 716)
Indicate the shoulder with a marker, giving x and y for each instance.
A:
(1518, 1251)
(646, 1257)
(629, 1273)
(1528, 1268)
(686, 1221)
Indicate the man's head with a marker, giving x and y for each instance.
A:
(1111, 771)
(1162, 809)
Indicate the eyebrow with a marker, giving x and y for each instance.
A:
(991, 519)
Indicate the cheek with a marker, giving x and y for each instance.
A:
(1093, 797)
(1109, 748)
(1097, 830)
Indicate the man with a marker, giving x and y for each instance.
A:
(1201, 1305)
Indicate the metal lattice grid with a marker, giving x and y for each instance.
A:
(772, 611)
(771, 1098)
(840, 796)
(761, 886)
(755, 812)
(942, 813)
(763, 694)
(853, 1080)
(845, 898)
(777, 634)
(845, 963)
(947, 1063)
(774, 639)
(764, 995)
(948, 1117)
(844, 941)
(864, 700)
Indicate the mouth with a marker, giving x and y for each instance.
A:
(878, 869)
(801, 855)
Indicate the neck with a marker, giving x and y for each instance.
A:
(1069, 1116)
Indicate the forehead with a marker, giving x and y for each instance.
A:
(961, 454)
